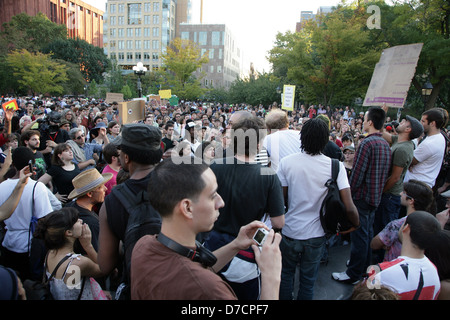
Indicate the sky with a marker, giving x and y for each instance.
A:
(253, 23)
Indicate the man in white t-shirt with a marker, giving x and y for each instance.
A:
(429, 154)
(412, 275)
(281, 141)
(303, 176)
(16, 244)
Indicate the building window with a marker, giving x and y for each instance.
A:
(112, 21)
(138, 56)
(129, 32)
(121, 56)
(112, 44)
(134, 13)
(121, 44)
(113, 56)
(146, 44)
(146, 56)
(112, 32)
(121, 7)
(137, 44)
(219, 69)
(146, 32)
(156, 32)
(137, 32)
(211, 69)
(129, 56)
(185, 35)
(121, 20)
(155, 44)
(121, 33)
(215, 38)
(156, 19)
(155, 6)
(155, 56)
(202, 38)
(129, 44)
(147, 20)
(112, 8)
(147, 7)
(211, 53)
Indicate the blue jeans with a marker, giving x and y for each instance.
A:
(387, 211)
(308, 253)
(360, 251)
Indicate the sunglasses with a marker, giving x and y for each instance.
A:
(408, 197)
(79, 137)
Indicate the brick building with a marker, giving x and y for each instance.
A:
(82, 20)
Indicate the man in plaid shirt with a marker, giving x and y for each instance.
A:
(369, 174)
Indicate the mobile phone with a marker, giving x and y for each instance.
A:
(30, 165)
(260, 236)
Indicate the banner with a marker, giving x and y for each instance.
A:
(392, 76)
(288, 97)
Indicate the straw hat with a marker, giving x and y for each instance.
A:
(87, 181)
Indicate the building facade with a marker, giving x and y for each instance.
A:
(82, 20)
(225, 57)
(139, 31)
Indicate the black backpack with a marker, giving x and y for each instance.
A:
(143, 220)
(333, 215)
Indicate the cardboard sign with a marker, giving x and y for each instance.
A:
(131, 111)
(165, 94)
(11, 104)
(288, 97)
(392, 76)
(113, 97)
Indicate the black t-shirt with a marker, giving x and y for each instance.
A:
(62, 179)
(116, 214)
(249, 191)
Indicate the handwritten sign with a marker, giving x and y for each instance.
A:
(392, 76)
(288, 97)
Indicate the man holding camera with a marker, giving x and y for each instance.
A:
(172, 265)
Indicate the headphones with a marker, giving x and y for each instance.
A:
(201, 254)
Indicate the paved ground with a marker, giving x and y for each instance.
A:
(327, 288)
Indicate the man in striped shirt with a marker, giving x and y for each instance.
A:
(369, 174)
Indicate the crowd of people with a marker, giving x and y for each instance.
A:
(214, 174)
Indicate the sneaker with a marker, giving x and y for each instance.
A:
(343, 277)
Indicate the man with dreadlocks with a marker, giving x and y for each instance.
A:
(303, 235)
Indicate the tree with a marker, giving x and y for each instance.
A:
(37, 72)
(91, 59)
(181, 60)
(427, 22)
(32, 33)
(330, 60)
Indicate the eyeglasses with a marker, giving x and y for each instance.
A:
(79, 137)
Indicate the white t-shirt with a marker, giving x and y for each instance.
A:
(406, 275)
(16, 238)
(305, 176)
(430, 154)
(281, 143)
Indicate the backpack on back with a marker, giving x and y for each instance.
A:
(333, 214)
(143, 220)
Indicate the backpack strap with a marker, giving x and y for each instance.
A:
(334, 169)
(126, 196)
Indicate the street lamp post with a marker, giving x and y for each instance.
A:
(427, 88)
(139, 70)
